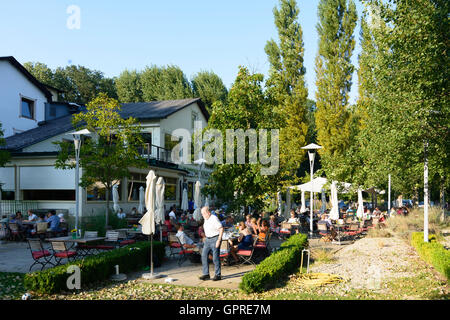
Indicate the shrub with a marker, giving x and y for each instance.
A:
(278, 265)
(95, 268)
(432, 252)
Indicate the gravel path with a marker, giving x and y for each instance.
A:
(369, 261)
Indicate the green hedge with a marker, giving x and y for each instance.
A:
(432, 252)
(278, 265)
(96, 268)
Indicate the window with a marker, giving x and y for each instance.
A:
(97, 192)
(27, 108)
(53, 195)
(194, 118)
(170, 189)
(136, 181)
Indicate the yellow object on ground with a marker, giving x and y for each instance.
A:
(319, 279)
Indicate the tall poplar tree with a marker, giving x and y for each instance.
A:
(286, 88)
(337, 21)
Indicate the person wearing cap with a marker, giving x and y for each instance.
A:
(61, 217)
(213, 231)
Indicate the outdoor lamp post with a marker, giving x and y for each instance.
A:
(77, 141)
(312, 147)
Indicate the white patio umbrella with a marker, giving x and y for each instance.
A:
(115, 196)
(159, 213)
(360, 210)
(207, 201)
(197, 202)
(184, 200)
(303, 207)
(148, 220)
(334, 212)
(288, 200)
(324, 202)
(141, 200)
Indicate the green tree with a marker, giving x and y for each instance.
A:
(286, 89)
(209, 87)
(128, 86)
(337, 21)
(164, 83)
(246, 108)
(113, 149)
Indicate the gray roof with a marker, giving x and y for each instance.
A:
(141, 111)
(158, 109)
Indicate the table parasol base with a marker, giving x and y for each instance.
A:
(119, 277)
(151, 276)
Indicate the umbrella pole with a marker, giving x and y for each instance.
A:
(151, 254)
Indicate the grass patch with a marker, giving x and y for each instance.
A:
(320, 256)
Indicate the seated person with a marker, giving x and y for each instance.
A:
(134, 212)
(183, 219)
(172, 214)
(61, 217)
(293, 219)
(228, 222)
(53, 221)
(376, 212)
(245, 241)
(263, 229)
(274, 227)
(248, 220)
(201, 231)
(187, 242)
(330, 230)
(168, 223)
(121, 214)
(31, 216)
(253, 228)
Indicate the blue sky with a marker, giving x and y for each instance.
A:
(117, 35)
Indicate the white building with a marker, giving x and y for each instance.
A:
(31, 176)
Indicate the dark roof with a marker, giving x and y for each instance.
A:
(44, 131)
(141, 111)
(159, 109)
(29, 76)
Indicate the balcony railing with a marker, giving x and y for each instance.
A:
(152, 152)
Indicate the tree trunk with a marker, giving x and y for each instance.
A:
(442, 199)
(107, 208)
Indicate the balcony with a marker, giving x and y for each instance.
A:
(157, 156)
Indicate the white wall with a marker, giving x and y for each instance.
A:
(13, 84)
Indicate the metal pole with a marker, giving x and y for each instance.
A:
(311, 200)
(77, 178)
(389, 195)
(425, 191)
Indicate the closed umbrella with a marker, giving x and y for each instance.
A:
(148, 220)
(288, 200)
(324, 202)
(184, 200)
(207, 201)
(141, 200)
(197, 201)
(303, 207)
(159, 213)
(360, 210)
(115, 196)
(334, 213)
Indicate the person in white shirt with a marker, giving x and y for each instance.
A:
(121, 214)
(293, 219)
(32, 216)
(213, 231)
(172, 214)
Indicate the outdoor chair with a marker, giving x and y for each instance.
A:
(246, 256)
(375, 223)
(40, 256)
(224, 252)
(174, 245)
(324, 232)
(285, 230)
(184, 253)
(4, 232)
(111, 241)
(41, 229)
(126, 240)
(61, 252)
(164, 231)
(85, 249)
(353, 230)
(15, 232)
(264, 246)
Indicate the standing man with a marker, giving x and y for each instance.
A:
(213, 231)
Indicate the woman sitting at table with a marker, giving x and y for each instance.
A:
(263, 229)
(274, 227)
(330, 230)
(183, 219)
(244, 242)
(293, 219)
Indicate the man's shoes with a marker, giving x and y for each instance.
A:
(216, 278)
(204, 277)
